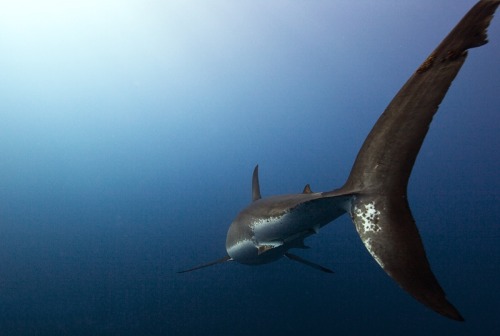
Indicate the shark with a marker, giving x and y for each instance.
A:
(375, 193)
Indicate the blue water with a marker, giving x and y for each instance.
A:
(128, 135)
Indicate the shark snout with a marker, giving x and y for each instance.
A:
(250, 252)
(243, 251)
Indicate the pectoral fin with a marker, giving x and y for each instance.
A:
(307, 263)
(215, 262)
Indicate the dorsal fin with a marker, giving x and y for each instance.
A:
(307, 189)
(255, 184)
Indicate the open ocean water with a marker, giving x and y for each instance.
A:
(128, 135)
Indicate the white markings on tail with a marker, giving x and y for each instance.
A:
(368, 245)
(368, 217)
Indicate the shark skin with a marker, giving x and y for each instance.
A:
(375, 193)
(265, 230)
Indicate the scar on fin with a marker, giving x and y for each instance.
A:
(453, 54)
(307, 189)
(427, 64)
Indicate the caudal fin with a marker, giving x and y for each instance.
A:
(380, 174)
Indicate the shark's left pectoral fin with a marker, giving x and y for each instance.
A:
(307, 263)
(215, 262)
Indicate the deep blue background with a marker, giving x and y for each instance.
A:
(128, 135)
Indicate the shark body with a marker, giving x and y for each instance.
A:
(265, 230)
(375, 193)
